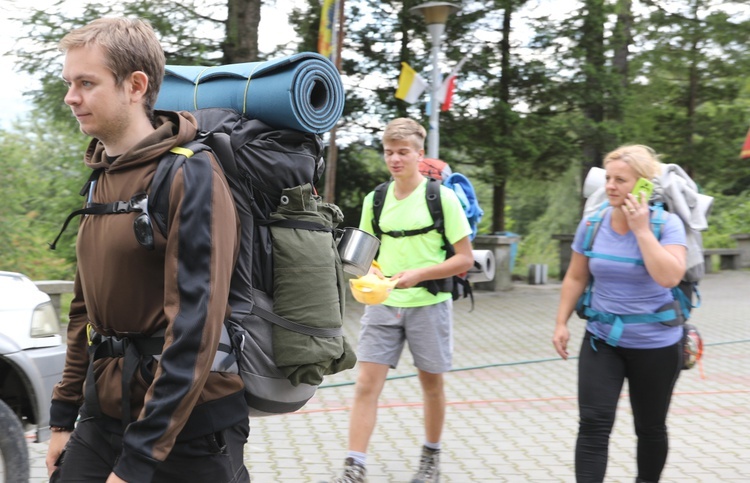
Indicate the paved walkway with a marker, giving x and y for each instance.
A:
(512, 413)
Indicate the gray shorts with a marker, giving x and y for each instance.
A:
(428, 329)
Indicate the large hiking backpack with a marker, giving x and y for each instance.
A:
(685, 294)
(458, 285)
(675, 192)
(678, 194)
(284, 343)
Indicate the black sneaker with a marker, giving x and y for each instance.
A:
(353, 473)
(429, 466)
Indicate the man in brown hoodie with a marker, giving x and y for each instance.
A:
(160, 301)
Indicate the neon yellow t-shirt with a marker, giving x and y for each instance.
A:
(398, 254)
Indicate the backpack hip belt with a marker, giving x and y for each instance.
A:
(667, 315)
(132, 349)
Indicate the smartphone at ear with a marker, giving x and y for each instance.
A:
(643, 186)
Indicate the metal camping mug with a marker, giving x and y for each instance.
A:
(357, 250)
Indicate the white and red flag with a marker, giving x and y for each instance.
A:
(445, 95)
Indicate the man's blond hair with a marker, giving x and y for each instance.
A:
(405, 129)
(129, 45)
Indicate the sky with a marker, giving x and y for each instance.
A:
(274, 30)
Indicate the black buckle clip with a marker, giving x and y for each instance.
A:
(122, 207)
(117, 347)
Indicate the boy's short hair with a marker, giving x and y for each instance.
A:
(129, 45)
(405, 129)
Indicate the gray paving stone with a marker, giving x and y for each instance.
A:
(512, 413)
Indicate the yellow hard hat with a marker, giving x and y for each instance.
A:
(370, 289)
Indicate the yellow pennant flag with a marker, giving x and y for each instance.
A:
(327, 30)
(410, 84)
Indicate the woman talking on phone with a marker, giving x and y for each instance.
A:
(624, 280)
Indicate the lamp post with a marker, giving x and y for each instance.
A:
(435, 15)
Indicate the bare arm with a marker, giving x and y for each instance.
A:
(460, 262)
(666, 264)
(575, 281)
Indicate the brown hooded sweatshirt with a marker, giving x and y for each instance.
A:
(181, 287)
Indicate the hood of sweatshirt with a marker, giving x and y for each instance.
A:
(172, 129)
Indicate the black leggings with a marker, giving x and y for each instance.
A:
(651, 374)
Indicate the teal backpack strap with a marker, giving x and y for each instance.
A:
(604, 256)
(658, 219)
(618, 321)
(683, 300)
(584, 301)
(592, 227)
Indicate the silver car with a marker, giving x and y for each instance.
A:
(32, 356)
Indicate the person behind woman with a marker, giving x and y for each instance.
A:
(648, 354)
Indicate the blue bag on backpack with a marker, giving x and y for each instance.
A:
(463, 188)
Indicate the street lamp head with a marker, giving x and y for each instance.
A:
(436, 12)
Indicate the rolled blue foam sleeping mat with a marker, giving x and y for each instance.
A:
(302, 91)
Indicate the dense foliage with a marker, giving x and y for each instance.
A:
(540, 99)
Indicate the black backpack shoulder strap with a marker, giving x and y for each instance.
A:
(378, 200)
(221, 144)
(432, 194)
(161, 184)
(434, 204)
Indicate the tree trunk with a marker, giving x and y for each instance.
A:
(500, 172)
(498, 204)
(622, 38)
(241, 44)
(592, 43)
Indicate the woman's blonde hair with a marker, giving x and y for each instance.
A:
(642, 159)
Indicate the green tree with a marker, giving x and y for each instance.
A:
(191, 32)
(529, 117)
(42, 155)
(690, 95)
(41, 177)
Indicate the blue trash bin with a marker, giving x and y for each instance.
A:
(513, 246)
